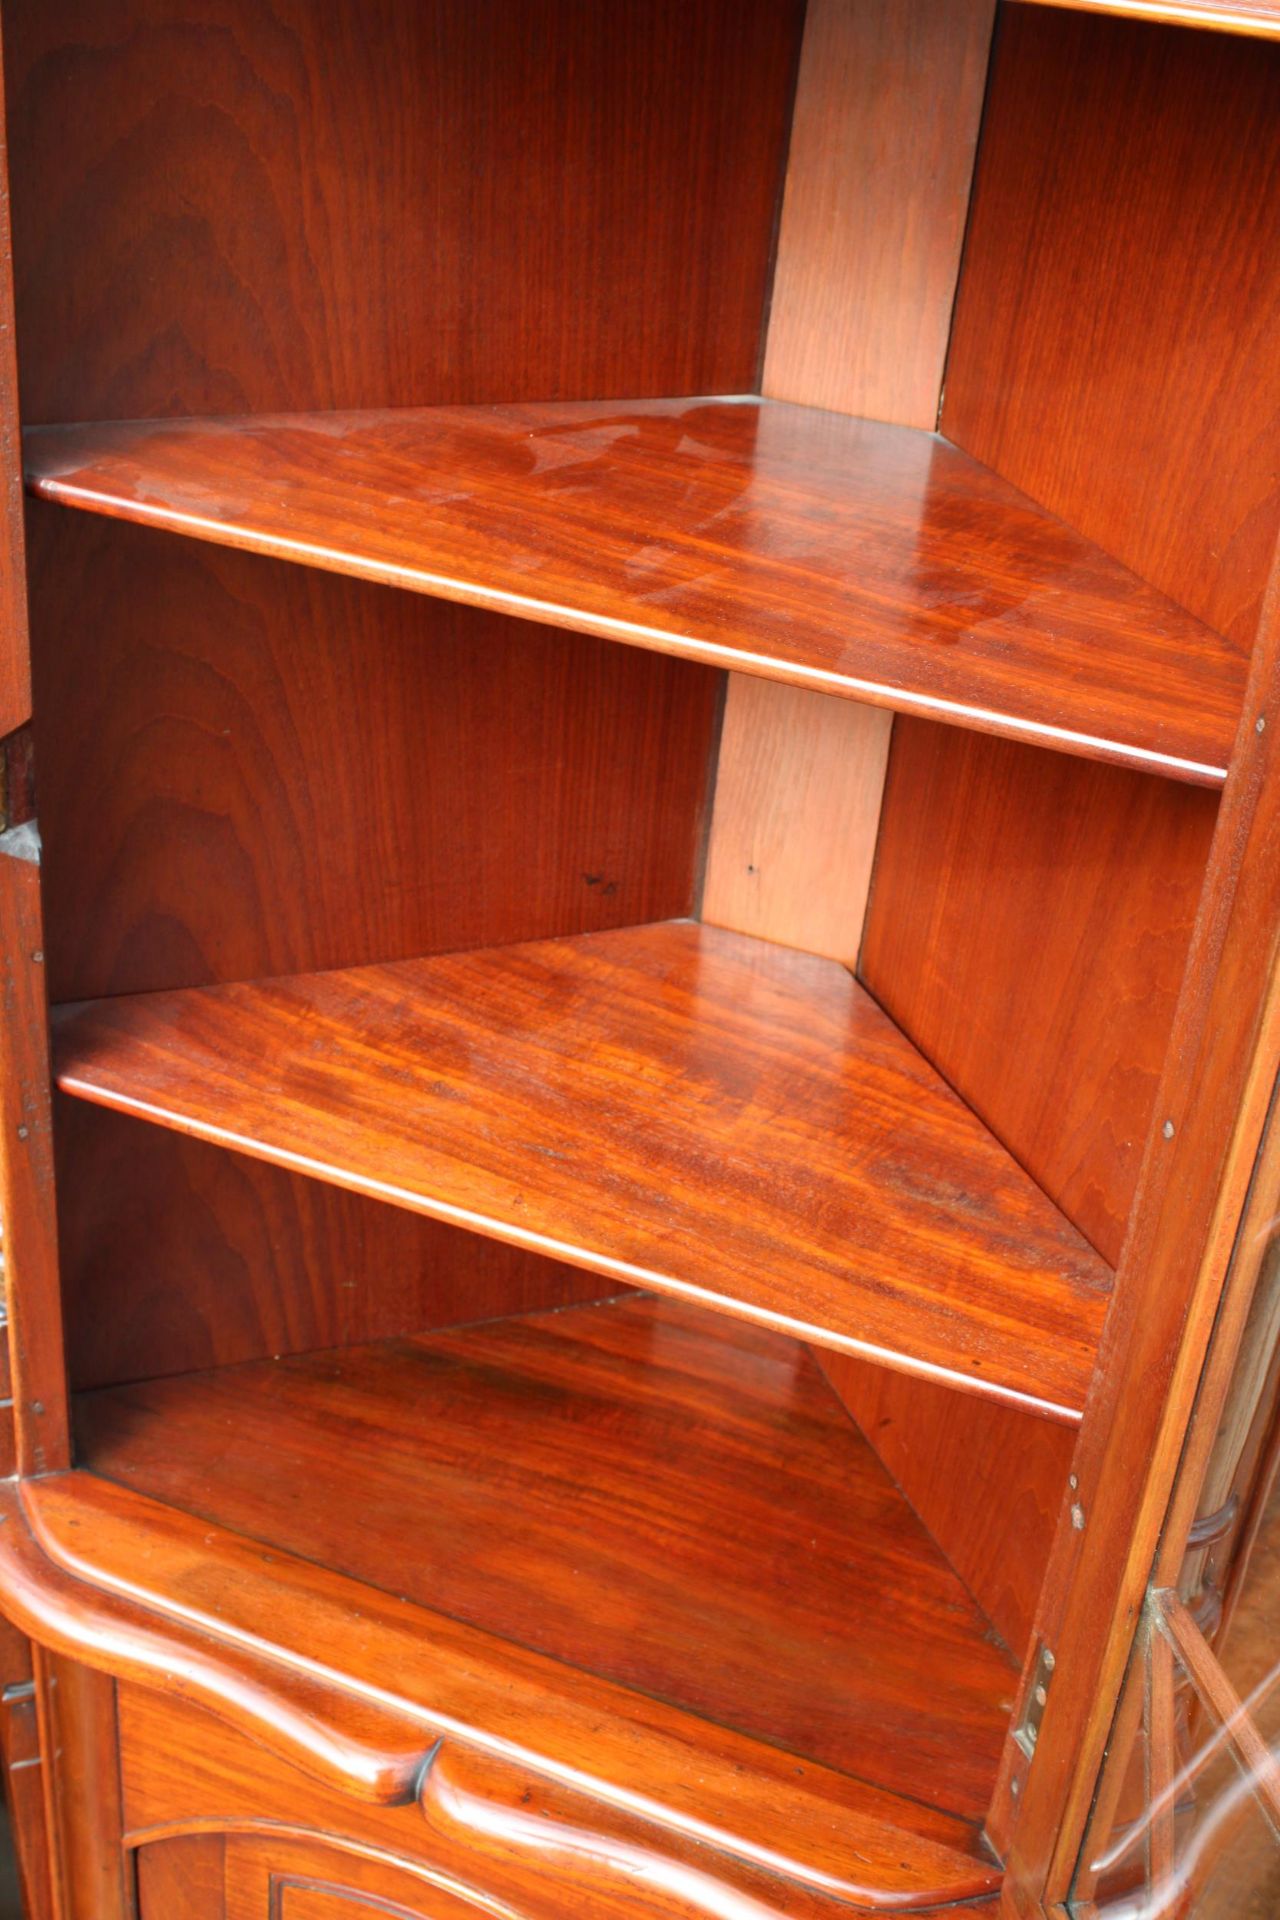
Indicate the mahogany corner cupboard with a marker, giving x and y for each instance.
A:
(640, 958)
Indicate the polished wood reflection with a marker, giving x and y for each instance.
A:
(845, 555)
(673, 1106)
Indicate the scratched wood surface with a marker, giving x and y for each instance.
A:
(672, 1106)
(845, 555)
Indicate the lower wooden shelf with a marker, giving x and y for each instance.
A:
(670, 1106)
(639, 1546)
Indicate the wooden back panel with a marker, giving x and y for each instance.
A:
(886, 123)
(222, 206)
(251, 768)
(178, 1256)
(1115, 351)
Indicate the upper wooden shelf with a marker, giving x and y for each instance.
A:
(673, 1106)
(872, 561)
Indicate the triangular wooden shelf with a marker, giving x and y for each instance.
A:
(671, 1106)
(873, 561)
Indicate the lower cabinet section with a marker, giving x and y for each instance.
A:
(220, 1828)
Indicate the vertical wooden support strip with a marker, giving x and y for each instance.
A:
(15, 662)
(80, 1741)
(797, 802)
(1162, 1758)
(27, 1207)
(882, 150)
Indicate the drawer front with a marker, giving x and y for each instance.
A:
(297, 1879)
(483, 1838)
(282, 1877)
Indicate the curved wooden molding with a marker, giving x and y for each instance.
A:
(385, 1702)
(506, 1817)
(375, 1756)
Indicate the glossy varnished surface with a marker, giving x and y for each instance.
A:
(353, 1687)
(677, 1106)
(641, 1490)
(1260, 17)
(845, 555)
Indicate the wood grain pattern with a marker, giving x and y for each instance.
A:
(250, 769)
(1028, 928)
(353, 1687)
(222, 205)
(599, 1863)
(182, 1879)
(747, 1559)
(844, 555)
(81, 1738)
(176, 1255)
(882, 145)
(1113, 352)
(675, 1106)
(300, 1876)
(987, 1480)
(28, 1206)
(1175, 1283)
(793, 827)
(282, 1828)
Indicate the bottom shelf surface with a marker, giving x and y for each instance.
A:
(669, 1510)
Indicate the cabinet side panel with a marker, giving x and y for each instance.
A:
(249, 768)
(224, 207)
(1028, 927)
(79, 1734)
(1115, 351)
(15, 670)
(27, 1204)
(986, 1480)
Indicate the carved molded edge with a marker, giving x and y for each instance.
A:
(505, 1818)
(513, 1800)
(380, 1761)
